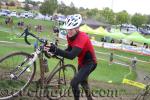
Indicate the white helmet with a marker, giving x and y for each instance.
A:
(73, 21)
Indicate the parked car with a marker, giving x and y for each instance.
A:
(128, 28)
(13, 14)
(47, 17)
(61, 18)
(43, 17)
(144, 31)
(39, 16)
(26, 15)
(4, 12)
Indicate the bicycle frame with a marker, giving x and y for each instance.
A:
(39, 54)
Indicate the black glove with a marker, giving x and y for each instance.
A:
(53, 48)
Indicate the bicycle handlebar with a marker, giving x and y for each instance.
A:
(27, 33)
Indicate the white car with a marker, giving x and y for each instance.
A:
(27, 15)
(48, 17)
(30, 15)
(13, 14)
(4, 12)
(61, 18)
(39, 16)
(43, 17)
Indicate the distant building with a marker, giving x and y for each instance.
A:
(6, 4)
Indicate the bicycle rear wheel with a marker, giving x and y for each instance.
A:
(15, 74)
(59, 82)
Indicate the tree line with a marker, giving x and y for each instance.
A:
(105, 15)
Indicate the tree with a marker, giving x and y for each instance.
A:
(27, 8)
(27, 1)
(138, 19)
(122, 17)
(62, 8)
(12, 3)
(34, 3)
(108, 15)
(92, 12)
(67, 10)
(148, 19)
(72, 9)
(0, 4)
(82, 11)
(49, 7)
(102, 19)
(7, 4)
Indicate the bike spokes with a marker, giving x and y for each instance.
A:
(15, 74)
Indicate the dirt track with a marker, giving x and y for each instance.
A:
(117, 92)
(104, 91)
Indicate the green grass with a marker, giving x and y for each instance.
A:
(47, 25)
(140, 65)
(123, 53)
(114, 73)
(8, 48)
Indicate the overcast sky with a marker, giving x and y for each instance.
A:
(131, 6)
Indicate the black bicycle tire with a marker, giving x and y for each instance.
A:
(28, 82)
(142, 95)
(57, 71)
(138, 97)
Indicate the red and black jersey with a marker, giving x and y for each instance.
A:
(82, 41)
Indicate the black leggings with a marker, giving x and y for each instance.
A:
(82, 78)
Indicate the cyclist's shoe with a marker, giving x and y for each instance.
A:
(91, 98)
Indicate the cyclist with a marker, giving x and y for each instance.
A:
(79, 45)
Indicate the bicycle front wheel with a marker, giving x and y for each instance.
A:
(15, 74)
(144, 94)
(59, 82)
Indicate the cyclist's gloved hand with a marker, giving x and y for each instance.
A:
(53, 48)
(50, 48)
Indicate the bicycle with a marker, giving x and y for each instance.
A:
(144, 94)
(18, 69)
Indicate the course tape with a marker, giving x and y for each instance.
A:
(133, 83)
